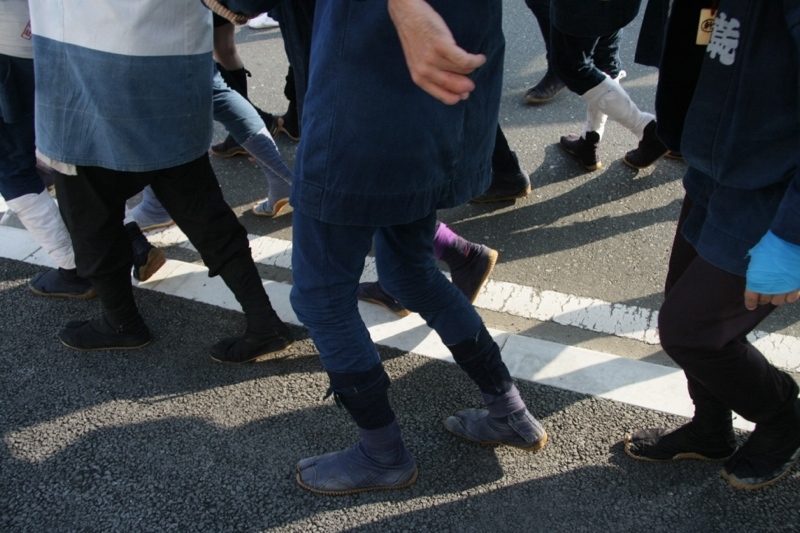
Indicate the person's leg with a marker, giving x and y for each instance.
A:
(92, 204)
(703, 325)
(248, 130)
(232, 70)
(509, 180)
(470, 266)
(550, 85)
(149, 214)
(405, 261)
(327, 261)
(23, 189)
(572, 61)
(193, 197)
(297, 21)
(289, 122)
(610, 98)
(709, 435)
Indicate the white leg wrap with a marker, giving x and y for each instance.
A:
(39, 214)
(610, 98)
(595, 121)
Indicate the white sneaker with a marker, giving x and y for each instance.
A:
(262, 21)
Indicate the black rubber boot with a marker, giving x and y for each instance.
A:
(585, 150)
(650, 149)
(147, 259)
(121, 326)
(547, 89)
(769, 453)
(509, 180)
(266, 335)
(708, 437)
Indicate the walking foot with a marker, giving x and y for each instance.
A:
(520, 429)
(351, 470)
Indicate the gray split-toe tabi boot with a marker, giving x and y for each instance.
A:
(520, 429)
(380, 460)
(353, 470)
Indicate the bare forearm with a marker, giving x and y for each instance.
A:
(436, 63)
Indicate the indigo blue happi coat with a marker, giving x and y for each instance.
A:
(376, 149)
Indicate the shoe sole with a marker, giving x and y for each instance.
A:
(277, 209)
(155, 260)
(493, 255)
(281, 129)
(678, 457)
(85, 296)
(229, 153)
(269, 356)
(642, 167)
(356, 491)
(531, 100)
(401, 313)
(522, 194)
(735, 483)
(156, 226)
(533, 448)
(104, 347)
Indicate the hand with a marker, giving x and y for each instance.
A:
(753, 299)
(437, 64)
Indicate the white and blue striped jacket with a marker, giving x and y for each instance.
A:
(122, 84)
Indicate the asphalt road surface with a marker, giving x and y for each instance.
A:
(163, 439)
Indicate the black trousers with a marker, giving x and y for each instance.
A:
(703, 325)
(93, 207)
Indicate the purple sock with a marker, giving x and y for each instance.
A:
(448, 245)
(502, 405)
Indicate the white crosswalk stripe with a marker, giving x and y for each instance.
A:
(567, 367)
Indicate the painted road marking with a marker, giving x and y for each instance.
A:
(567, 367)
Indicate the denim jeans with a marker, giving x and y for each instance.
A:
(238, 115)
(18, 175)
(327, 262)
(581, 61)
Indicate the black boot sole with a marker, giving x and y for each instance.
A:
(676, 457)
(488, 197)
(274, 351)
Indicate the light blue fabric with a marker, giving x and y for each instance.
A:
(774, 266)
(102, 109)
(233, 111)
